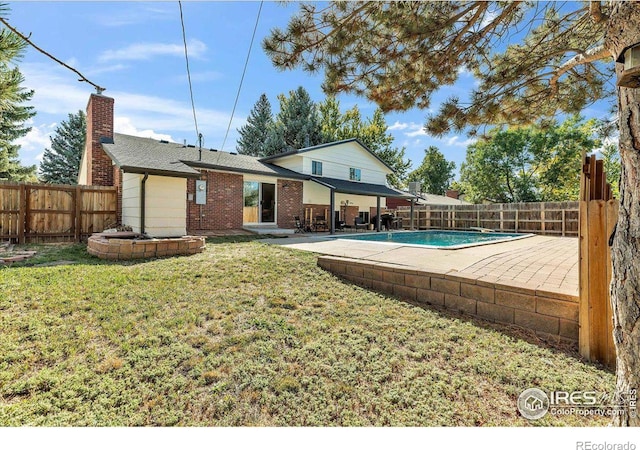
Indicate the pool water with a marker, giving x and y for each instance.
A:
(437, 238)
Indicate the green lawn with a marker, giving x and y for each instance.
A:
(250, 334)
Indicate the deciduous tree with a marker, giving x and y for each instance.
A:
(528, 163)
(435, 173)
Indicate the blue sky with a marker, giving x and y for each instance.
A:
(135, 51)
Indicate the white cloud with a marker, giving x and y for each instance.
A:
(399, 126)
(34, 142)
(411, 129)
(454, 141)
(123, 125)
(57, 93)
(37, 139)
(136, 14)
(148, 50)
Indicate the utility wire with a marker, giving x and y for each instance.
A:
(27, 39)
(242, 78)
(186, 57)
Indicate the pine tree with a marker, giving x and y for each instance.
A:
(61, 163)
(254, 135)
(13, 115)
(297, 124)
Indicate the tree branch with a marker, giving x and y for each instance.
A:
(99, 89)
(591, 55)
(595, 9)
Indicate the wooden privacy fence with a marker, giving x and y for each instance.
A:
(598, 216)
(49, 213)
(551, 218)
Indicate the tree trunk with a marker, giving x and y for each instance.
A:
(624, 30)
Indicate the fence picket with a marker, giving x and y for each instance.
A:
(32, 212)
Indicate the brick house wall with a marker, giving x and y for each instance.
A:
(223, 210)
(99, 125)
(289, 202)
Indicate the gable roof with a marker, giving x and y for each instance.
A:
(145, 155)
(328, 144)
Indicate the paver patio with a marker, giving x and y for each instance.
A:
(537, 262)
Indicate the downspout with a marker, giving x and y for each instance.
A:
(143, 200)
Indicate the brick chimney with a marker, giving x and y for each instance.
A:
(99, 127)
(452, 193)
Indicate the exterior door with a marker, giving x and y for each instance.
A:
(259, 202)
(267, 202)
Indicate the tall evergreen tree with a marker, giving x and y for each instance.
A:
(61, 163)
(254, 135)
(435, 172)
(13, 114)
(297, 124)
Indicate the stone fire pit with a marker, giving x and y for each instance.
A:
(127, 245)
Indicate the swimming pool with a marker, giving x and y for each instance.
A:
(437, 238)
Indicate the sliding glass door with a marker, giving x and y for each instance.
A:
(259, 202)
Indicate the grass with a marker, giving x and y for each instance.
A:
(247, 334)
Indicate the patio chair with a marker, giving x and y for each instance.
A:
(300, 228)
(339, 225)
(359, 223)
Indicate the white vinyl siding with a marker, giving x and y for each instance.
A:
(316, 194)
(166, 207)
(336, 161)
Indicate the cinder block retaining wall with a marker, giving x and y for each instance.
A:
(551, 315)
(119, 249)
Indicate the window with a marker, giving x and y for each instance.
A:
(316, 168)
(354, 174)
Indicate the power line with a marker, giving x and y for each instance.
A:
(186, 56)
(27, 39)
(235, 103)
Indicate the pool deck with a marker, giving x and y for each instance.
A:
(537, 262)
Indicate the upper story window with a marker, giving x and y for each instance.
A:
(316, 168)
(354, 174)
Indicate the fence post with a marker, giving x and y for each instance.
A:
(516, 224)
(22, 205)
(501, 217)
(77, 219)
(542, 219)
(598, 216)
